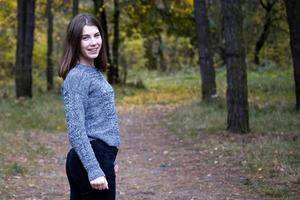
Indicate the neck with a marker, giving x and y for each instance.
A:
(86, 62)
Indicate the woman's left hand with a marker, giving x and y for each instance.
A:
(116, 169)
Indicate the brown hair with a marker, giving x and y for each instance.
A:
(72, 44)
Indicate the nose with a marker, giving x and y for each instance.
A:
(93, 41)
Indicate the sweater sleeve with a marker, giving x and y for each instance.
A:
(75, 93)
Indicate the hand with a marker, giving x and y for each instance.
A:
(116, 169)
(99, 183)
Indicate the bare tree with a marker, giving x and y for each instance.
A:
(237, 89)
(115, 45)
(99, 10)
(23, 69)
(160, 54)
(293, 15)
(75, 7)
(208, 82)
(50, 46)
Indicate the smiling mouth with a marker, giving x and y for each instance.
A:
(93, 50)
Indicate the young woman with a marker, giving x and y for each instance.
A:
(90, 112)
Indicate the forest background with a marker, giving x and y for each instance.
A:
(154, 59)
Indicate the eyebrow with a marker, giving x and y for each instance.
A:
(89, 34)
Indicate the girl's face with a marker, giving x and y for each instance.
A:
(90, 44)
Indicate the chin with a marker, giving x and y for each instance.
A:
(93, 56)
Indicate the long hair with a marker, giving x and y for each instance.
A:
(72, 44)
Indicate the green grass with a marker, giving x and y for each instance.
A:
(15, 169)
(43, 112)
(154, 88)
(20, 121)
(275, 191)
(271, 102)
(269, 155)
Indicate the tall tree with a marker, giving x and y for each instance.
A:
(75, 7)
(293, 16)
(208, 83)
(23, 69)
(50, 46)
(160, 54)
(151, 60)
(99, 10)
(268, 6)
(237, 89)
(115, 45)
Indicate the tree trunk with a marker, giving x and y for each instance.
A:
(100, 13)
(160, 53)
(293, 16)
(26, 20)
(267, 25)
(50, 46)
(237, 90)
(125, 69)
(115, 49)
(75, 7)
(208, 83)
(148, 46)
(261, 41)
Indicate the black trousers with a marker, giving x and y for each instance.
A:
(80, 188)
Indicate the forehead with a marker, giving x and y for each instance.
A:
(87, 29)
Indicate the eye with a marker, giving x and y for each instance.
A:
(97, 35)
(84, 37)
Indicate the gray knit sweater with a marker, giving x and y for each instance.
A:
(90, 114)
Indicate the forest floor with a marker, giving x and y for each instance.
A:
(154, 164)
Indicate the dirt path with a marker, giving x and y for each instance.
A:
(155, 165)
(158, 166)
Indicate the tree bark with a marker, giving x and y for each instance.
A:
(125, 69)
(23, 69)
(237, 89)
(75, 7)
(148, 46)
(208, 82)
(293, 17)
(100, 13)
(160, 53)
(50, 84)
(115, 48)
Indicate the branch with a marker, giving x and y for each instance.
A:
(268, 5)
(263, 4)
